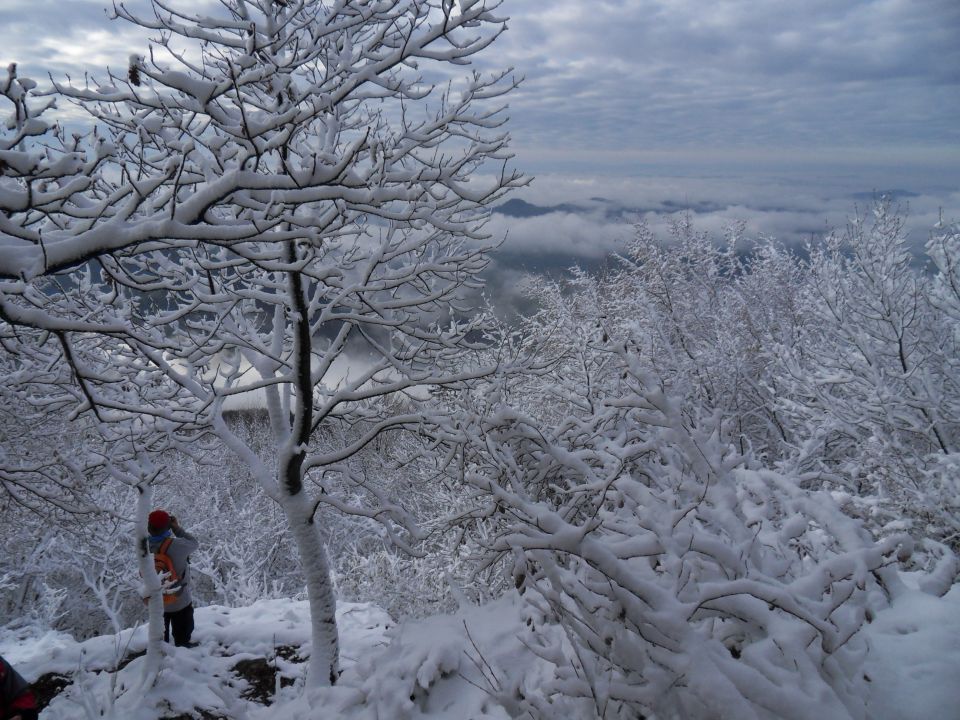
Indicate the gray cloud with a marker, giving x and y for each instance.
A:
(638, 74)
(56, 37)
(791, 209)
(586, 236)
(624, 77)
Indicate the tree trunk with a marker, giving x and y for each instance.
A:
(288, 491)
(151, 585)
(324, 638)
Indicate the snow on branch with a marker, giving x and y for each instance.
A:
(681, 575)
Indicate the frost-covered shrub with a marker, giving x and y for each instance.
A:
(840, 368)
(243, 532)
(870, 386)
(67, 573)
(688, 581)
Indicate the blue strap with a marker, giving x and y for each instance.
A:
(161, 537)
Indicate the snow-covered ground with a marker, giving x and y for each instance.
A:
(452, 667)
(914, 663)
(429, 668)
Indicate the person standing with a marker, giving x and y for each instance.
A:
(178, 613)
(17, 701)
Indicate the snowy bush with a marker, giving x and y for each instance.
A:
(684, 576)
(702, 521)
(840, 369)
(870, 385)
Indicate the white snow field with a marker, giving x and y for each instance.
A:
(448, 667)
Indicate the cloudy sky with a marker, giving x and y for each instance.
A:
(740, 78)
(783, 113)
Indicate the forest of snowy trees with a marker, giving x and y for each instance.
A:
(246, 286)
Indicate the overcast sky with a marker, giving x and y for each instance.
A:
(769, 106)
(792, 77)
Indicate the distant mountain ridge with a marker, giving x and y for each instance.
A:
(522, 209)
(611, 210)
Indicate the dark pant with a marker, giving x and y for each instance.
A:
(182, 622)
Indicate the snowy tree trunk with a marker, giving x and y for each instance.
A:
(287, 490)
(151, 589)
(324, 638)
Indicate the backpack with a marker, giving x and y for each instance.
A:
(163, 563)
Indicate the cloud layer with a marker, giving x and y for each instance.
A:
(622, 75)
(578, 220)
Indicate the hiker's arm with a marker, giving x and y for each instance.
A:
(183, 534)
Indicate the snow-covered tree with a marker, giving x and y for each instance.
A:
(943, 248)
(869, 385)
(650, 494)
(48, 199)
(665, 572)
(709, 317)
(714, 313)
(305, 214)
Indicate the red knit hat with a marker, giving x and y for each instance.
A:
(158, 520)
